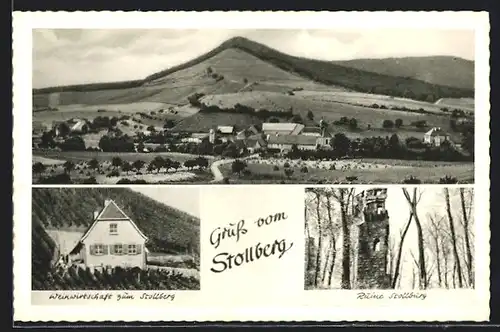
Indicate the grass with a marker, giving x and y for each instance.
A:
(428, 174)
(82, 156)
(203, 122)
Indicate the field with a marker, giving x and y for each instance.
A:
(203, 122)
(461, 103)
(395, 172)
(82, 156)
(331, 107)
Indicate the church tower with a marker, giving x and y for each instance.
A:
(211, 136)
(372, 241)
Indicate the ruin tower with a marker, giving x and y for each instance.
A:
(371, 256)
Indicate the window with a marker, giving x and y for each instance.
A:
(113, 229)
(118, 249)
(132, 249)
(99, 249)
(376, 245)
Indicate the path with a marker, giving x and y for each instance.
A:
(218, 176)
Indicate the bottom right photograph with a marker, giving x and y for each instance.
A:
(389, 237)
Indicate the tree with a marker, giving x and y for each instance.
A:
(238, 166)
(398, 123)
(466, 226)
(138, 164)
(353, 123)
(116, 161)
(453, 237)
(126, 167)
(94, 164)
(344, 196)
(75, 143)
(158, 163)
(64, 129)
(38, 168)
(412, 202)
(151, 129)
(341, 144)
(245, 80)
(169, 124)
(297, 119)
(310, 115)
(387, 124)
(68, 166)
(202, 162)
(288, 172)
(205, 147)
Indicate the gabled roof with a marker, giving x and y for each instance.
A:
(436, 132)
(312, 130)
(111, 211)
(225, 129)
(288, 128)
(293, 139)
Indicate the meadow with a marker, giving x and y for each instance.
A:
(427, 172)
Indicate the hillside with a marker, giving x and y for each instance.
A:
(441, 70)
(169, 230)
(239, 60)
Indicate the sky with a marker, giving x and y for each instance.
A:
(182, 198)
(78, 56)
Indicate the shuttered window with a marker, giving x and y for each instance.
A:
(98, 249)
(118, 249)
(134, 249)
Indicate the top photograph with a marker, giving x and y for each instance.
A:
(226, 106)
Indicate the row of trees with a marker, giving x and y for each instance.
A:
(117, 279)
(382, 147)
(435, 251)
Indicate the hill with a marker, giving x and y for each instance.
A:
(231, 66)
(440, 70)
(169, 230)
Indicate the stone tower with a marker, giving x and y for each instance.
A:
(371, 255)
(211, 136)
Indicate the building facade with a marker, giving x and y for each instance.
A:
(112, 240)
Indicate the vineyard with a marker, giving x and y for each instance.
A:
(76, 278)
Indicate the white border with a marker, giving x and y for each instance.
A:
(455, 306)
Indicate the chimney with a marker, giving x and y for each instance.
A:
(96, 213)
(107, 201)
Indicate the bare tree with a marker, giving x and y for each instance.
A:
(466, 226)
(318, 278)
(412, 202)
(436, 237)
(457, 271)
(397, 268)
(344, 197)
(331, 225)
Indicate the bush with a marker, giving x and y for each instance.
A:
(90, 180)
(388, 124)
(113, 173)
(225, 180)
(304, 169)
(448, 180)
(276, 168)
(286, 165)
(412, 180)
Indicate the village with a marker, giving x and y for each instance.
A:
(81, 144)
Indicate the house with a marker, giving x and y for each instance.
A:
(284, 143)
(273, 129)
(78, 126)
(112, 240)
(311, 131)
(195, 138)
(436, 136)
(245, 133)
(225, 130)
(255, 143)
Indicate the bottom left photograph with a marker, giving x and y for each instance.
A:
(138, 238)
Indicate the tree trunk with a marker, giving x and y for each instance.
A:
(438, 259)
(325, 268)
(317, 278)
(470, 271)
(334, 244)
(346, 250)
(400, 252)
(453, 238)
(421, 254)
